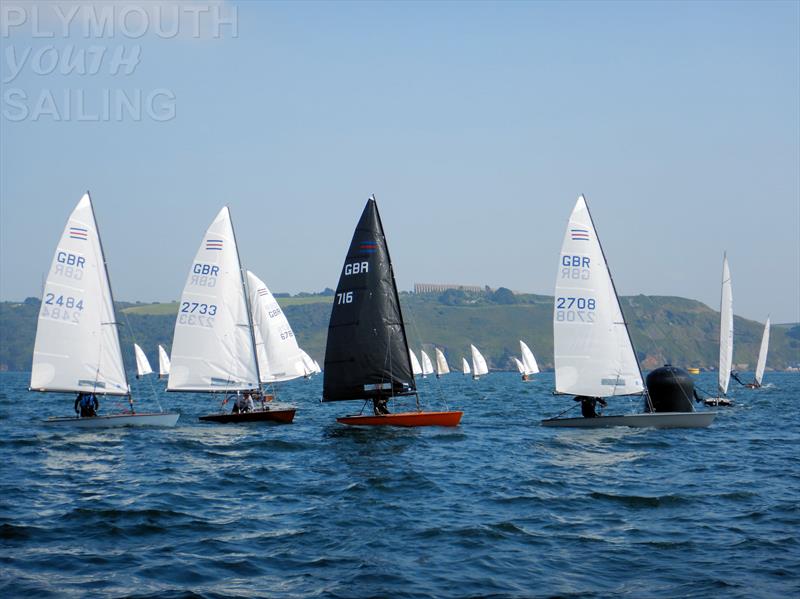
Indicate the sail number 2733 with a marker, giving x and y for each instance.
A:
(197, 314)
(575, 309)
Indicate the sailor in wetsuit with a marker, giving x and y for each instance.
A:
(588, 405)
(379, 407)
(86, 405)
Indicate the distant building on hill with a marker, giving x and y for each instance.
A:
(442, 287)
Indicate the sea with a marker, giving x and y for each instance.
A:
(497, 507)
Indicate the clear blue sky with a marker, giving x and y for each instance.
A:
(475, 124)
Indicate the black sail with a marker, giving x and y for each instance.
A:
(367, 352)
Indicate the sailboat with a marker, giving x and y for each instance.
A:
(163, 362)
(594, 356)
(214, 345)
(465, 366)
(142, 363)
(479, 367)
(309, 365)
(427, 366)
(77, 344)
(762, 358)
(441, 363)
(415, 366)
(367, 354)
(520, 368)
(529, 365)
(725, 339)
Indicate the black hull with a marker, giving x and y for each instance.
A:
(280, 416)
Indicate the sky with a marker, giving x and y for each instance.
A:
(476, 125)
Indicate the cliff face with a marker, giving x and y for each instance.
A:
(673, 330)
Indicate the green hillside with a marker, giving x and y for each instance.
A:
(664, 329)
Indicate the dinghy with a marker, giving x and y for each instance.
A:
(367, 356)
(142, 363)
(427, 366)
(762, 358)
(529, 365)
(594, 356)
(479, 367)
(465, 366)
(214, 346)
(309, 365)
(441, 363)
(163, 362)
(77, 344)
(725, 339)
(520, 368)
(415, 366)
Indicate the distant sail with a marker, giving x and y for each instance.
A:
(478, 362)
(367, 351)
(307, 364)
(441, 363)
(77, 344)
(415, 367)
(528, 361)
(465, 366)
(142, 364)
(276, 346)
(725, 328)
(163, 362)
(427, 366)
(213, 348)
(762, 354)
(592, 350)
(520, 366)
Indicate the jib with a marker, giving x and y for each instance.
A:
(581, 261)
(205, 269)
(70, 259)
(356, 268)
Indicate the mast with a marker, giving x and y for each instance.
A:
(115, 324)
(246, 302)
(616, 295)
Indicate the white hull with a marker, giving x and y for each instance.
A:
(718, 401)
(655, 420)
(118, 420)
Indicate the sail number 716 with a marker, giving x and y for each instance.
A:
(346, 297)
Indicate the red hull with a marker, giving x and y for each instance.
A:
(405, 419)
(281, 416)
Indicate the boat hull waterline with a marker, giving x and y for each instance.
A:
(405, 419)
(282, 416)
(654, 420)
(164, 419)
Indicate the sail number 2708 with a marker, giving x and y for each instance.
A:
(575, 309)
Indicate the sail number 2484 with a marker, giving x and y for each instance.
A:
(575, 309)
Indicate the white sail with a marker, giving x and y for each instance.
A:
(415, 367)
(593, 352)
(213, 348)
(725, 328)
(77, 344)
(520, 366)
(142, 363)
(307, 365)
(762, 354)
(163, 362)
(478, 362)
(465, 366)
(427, 366)
(276, 345)
(441, 363)
(528, 361)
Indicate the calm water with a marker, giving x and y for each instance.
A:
(497, 507)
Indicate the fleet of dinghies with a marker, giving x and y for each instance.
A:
(233, 341)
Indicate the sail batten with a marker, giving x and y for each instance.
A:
(209, 344)
(592, 346)
(77, 343)
(367, 354)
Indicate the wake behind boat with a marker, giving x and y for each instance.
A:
(77, 344)
(367, 356)
(593, 351)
